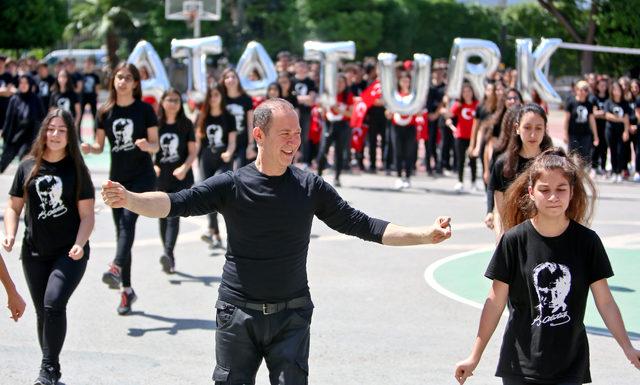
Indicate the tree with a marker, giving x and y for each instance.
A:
(31, 24)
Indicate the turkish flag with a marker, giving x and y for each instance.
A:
(367, 98)
(358, 135)
(315, 126)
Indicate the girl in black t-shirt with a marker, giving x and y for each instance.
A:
(580, 131)
(616, 130)
(131, 126)
(63, 96)
(543, 268)
(286, 87)
(173, 165)
(598, 100)
(240, 106)
(54, 187)
(529, 138)
(216, 137)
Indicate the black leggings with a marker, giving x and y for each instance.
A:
(51, 283)
(169, 229)
(338, 134)
(406, 147)
(210, 165)
(599, 155)
(520, 381)
(616, 146)
(125, 222)
(461, 155)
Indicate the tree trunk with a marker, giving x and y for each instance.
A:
(586, 64)
(112, 48)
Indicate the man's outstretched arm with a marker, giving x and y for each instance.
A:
(395, 235)
(154, 204)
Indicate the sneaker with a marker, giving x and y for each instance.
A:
(619, 178)
(207, 238)
(126, 300)
(336, 183)
(636, 177)
(399, 185)
(477, 186)
(217, 244)
(458, 187)
(168, 264)
(112, 276)
(406, 183)
(48, 376)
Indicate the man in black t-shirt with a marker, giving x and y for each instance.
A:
(264, 308)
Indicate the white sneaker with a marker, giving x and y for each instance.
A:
(399, 185)
(458, 187)
(636, 177)
(619, 178)
(478, 186)
(613, 178)
(406, 183)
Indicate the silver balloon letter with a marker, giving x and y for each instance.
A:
(196, 51)
(145, 56)
(420, 75)
(460, 68)
(531, 68)
(255, 59)
(329, 54)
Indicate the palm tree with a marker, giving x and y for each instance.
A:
(104, 19)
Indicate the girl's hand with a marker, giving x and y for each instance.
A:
(488, 220)
(7, 243)
(464, 369)
(76, 252)
(157, 170)
(226, 156)
(634, 357)
(625, 136)
(16, 305)
(180, 173)
(86, 148)
(143, 145)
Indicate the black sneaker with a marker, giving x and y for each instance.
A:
(48, 376)
(112, 277)
(168, 264)
(126, 300)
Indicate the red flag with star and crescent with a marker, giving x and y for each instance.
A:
(358, 128)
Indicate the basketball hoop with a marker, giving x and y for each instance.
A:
(193, 12)
(190, 17)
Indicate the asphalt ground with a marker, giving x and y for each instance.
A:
(377, 320)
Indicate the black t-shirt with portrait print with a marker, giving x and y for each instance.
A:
(599, 102)
(549, 278)
(579, 120)
(239, 108)
(216, 133)
(51, 215)
(123, 126)
(619, 110)
(304, 87)
(174, 150)
(65, 100)
(44, 88)
(89, 83)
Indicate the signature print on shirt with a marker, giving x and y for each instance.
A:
(123, 132)
(214, 135)
(169, 143)
(553, 283)
(49, 189)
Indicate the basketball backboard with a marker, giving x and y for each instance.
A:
(192, 10)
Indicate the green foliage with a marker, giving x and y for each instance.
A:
(618, 26)
(31, 24)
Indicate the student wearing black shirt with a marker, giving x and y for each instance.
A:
(45, 81)
(306, 90)
(543, 268)
(598, 100)
(264, 308)
(8, 85)
(90, 85)
(286, 87)
(54, 187)
(529, 139)
(240, 106)
(173, 165)
(617, 130)
(63, 96)
(580, 129)
(434, 99)
(23, 118)
(132, 128)
(216, 137)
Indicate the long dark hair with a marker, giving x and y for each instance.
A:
(113, 96)
(67, 87)
(205, 110)
(519, 206)
(506, 129)
(183, 123)
(225, 91)
(72, 150)
(515, 143)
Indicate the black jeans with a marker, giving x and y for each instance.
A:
(169, 229)
(616, 146)
(334, 133)
(406, 146)
(244, 337)
(51, 283)
(461, 155)
(520, 381)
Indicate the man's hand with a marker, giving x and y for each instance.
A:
(440, 230)
(114, 194)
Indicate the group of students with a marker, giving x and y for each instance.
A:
(27, 92)
(539, 194)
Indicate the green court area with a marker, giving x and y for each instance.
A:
(463, 276)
